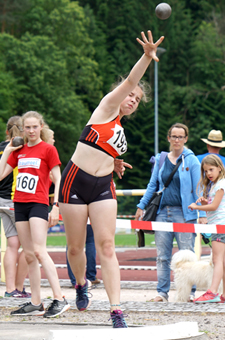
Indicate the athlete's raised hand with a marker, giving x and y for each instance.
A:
(149, 47)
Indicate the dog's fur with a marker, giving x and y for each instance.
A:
(188, 271)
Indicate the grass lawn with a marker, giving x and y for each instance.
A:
(121, 240)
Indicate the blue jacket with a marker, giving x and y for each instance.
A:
(189, 173)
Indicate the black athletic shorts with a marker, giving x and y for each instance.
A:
(78, 187)
(24, 211)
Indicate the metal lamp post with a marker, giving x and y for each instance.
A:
(160, 51)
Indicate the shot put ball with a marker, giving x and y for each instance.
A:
(163, 11)
(17, 141)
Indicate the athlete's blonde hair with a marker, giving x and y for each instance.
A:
(35, 114)
(144, 86)
(46, 133)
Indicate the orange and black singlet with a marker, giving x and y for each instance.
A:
(108, 137)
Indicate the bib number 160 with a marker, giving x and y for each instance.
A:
(27, 183)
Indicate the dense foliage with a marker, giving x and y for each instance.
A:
(59, 57)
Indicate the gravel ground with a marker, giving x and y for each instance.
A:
(212, 324)
(210, 317)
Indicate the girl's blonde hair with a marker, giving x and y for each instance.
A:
(38, 116)
(205, 184)
(46, 133)
(14, 127)
(144, 86)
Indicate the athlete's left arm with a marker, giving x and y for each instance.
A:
(54, 214)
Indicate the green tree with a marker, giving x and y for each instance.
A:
(67, 26)
(51, 59)
(63, 56)
(11, 12)
(9, 95)
(40, 69)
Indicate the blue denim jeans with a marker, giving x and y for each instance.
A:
(91, 258)
(164, 245)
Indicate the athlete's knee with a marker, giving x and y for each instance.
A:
(30, 257)
(40, 254)
(106, 249)
(13, 243)
(74, 250)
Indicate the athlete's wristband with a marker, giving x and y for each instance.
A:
(56, 203)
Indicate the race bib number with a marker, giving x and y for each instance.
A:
(27, 183)
(118, 140)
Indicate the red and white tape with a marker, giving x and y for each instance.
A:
(6, 208)
(175, 227)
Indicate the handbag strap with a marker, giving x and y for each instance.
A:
(172, 173)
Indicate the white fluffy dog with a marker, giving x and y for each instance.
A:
(188, 271)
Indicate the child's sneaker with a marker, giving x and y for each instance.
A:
(208, 297)
(82, 299)
(15, 293)
(117, 318)
(56, 307)
(29, 309)
(222, 299)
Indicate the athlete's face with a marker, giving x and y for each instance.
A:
(32, 129)
(131, 102)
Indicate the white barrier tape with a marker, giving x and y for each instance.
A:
(6, 208)
(174, 227)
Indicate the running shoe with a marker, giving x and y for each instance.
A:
(15, 293)
(82, 299)
(24, 293)
(29, 309)
(56, 307)
(208, 297)
(117, 318)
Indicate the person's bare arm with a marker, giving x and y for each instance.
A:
(54, 214)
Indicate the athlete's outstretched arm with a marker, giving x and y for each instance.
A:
(150, 48)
